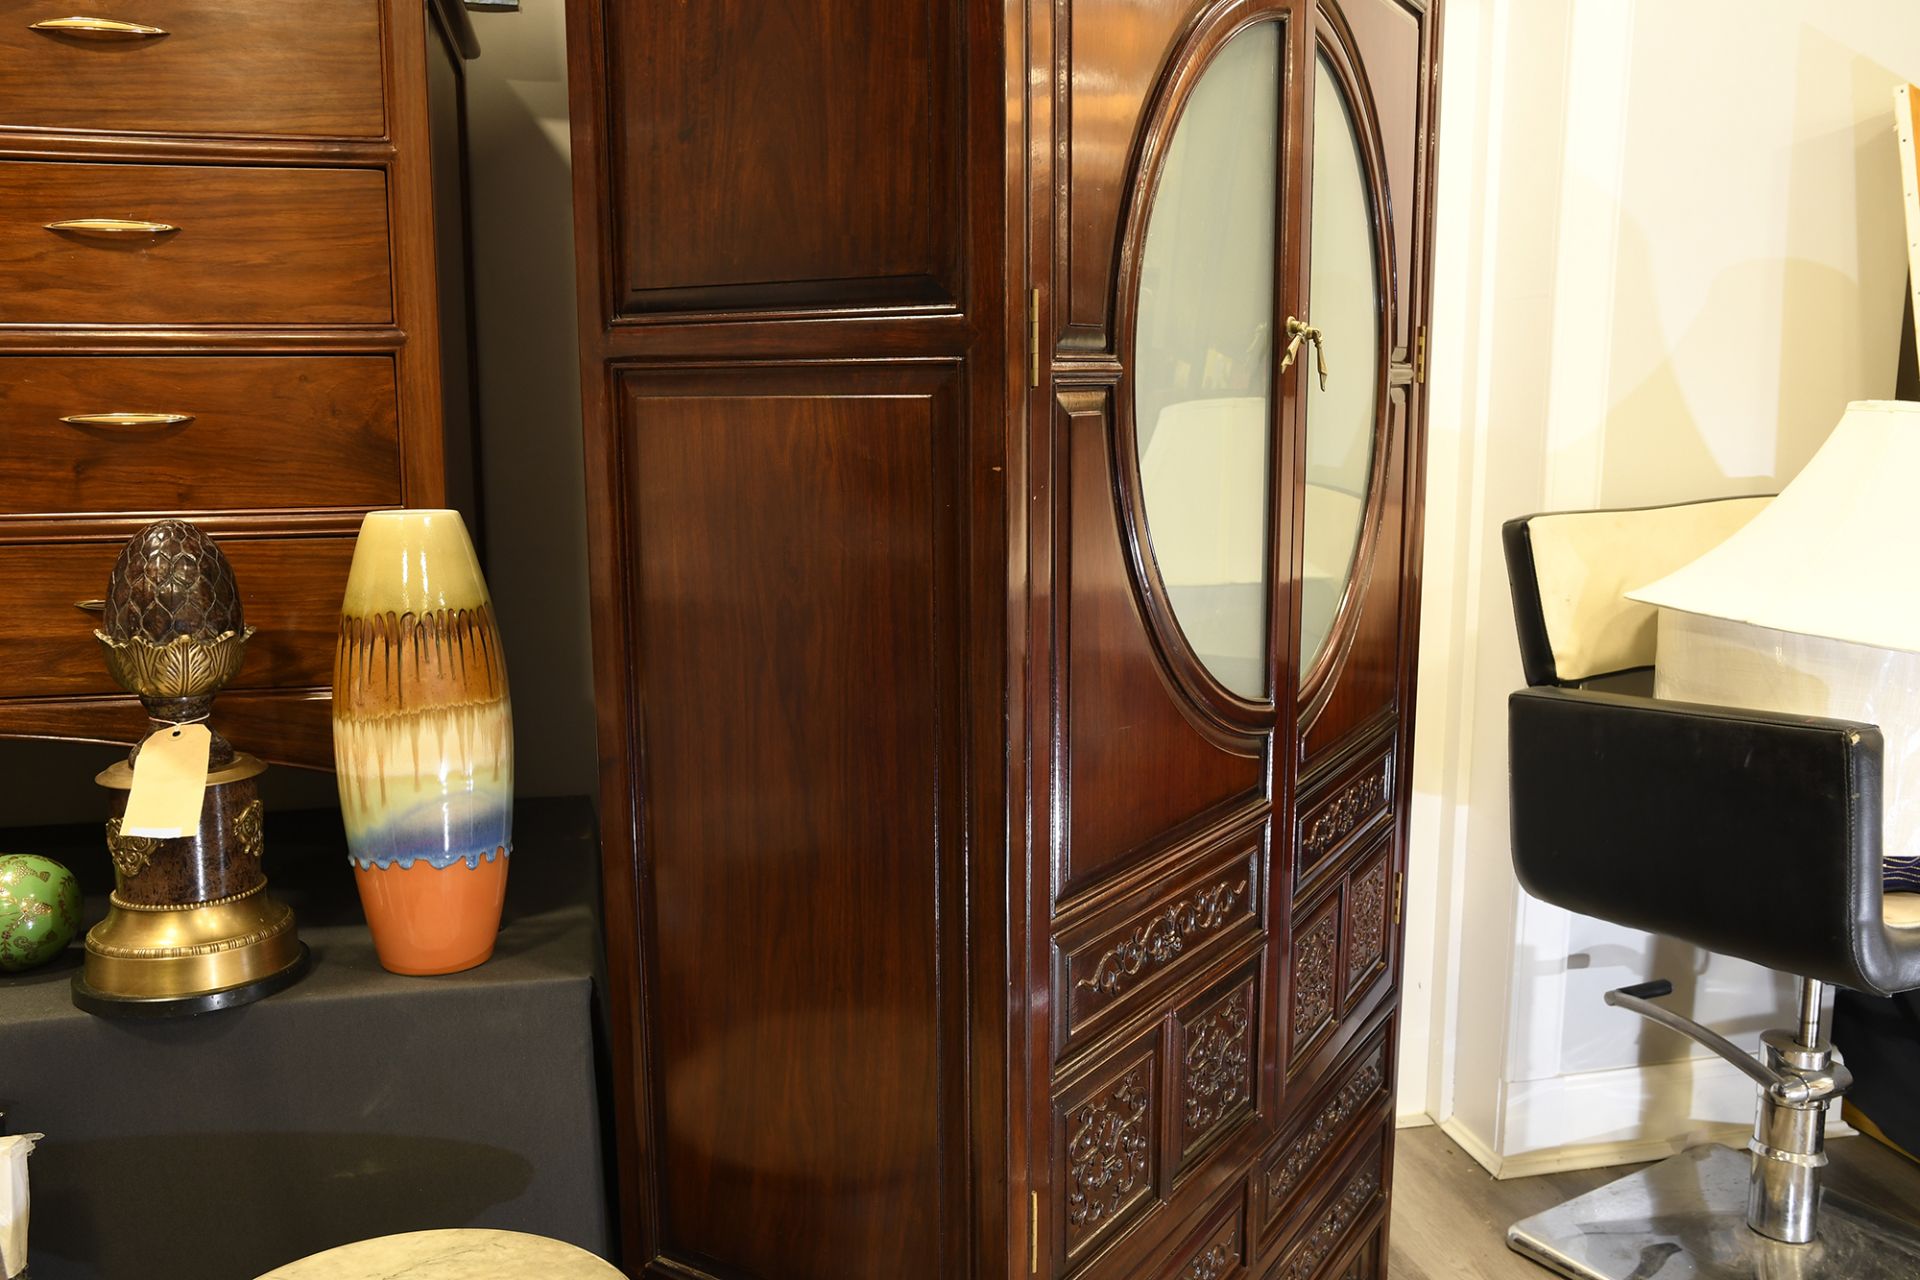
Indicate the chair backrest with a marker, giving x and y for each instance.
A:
(1569, 572)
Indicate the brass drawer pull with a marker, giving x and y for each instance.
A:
(127, 419)
(110, 28)
(113, 227)
(91, 606)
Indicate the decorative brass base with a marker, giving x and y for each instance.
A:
(161, 955)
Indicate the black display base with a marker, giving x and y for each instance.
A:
(357, 1103)
(107, 1005)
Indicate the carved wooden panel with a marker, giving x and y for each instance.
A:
(1217, 1249)
(1106, 1151)
(794, 830)
(1338, 816)
(1126, 723)
(1216, 1052)
(1289, 1172)
(786, 153)
(1115, 961)
(1335, 1219)
(1313, 978)
(1364, 1265)
(1369, 906)
(1359, 682)
(1388, 35)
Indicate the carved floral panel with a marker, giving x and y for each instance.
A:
(1216, 1066)
(1316, 954)
(1288, 1171)
(1108, 1154)
(1367, 911)
(1335, 1222)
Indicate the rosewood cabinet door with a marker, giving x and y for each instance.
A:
(1161, 464)
(1223, 472)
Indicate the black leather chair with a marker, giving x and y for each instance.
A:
(1747, 833)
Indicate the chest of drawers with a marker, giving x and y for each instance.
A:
(233, 287)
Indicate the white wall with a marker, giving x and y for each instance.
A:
(1670, 249)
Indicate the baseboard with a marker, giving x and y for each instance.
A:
(1470, 1142)
(1412, 1120)
(1605, 1155)
(1595, 1120)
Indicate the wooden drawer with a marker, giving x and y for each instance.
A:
(252, 246)
(290, 587)
(293, 431)
(223, 67)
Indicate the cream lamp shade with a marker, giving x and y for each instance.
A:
(1813, 607)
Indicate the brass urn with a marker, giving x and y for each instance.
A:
(190, 926)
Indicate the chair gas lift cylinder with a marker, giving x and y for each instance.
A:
(1737, 795)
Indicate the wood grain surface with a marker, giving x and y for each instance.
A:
(223, 67)
(294, 431)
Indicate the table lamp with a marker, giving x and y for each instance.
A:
(1811, 608)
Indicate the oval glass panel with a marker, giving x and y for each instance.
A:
(1203, 358)
(1344, 284)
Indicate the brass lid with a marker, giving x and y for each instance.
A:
(119, 774)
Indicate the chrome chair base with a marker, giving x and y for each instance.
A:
(1686, 1219)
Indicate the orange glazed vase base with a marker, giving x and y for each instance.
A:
(431, 920)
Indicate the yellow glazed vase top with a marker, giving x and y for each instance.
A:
(423, 731)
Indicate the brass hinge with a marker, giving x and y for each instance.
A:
(1033, 1224)
(1033, 340)
(1420, 355)
(1399, 894)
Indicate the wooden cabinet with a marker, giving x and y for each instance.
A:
(232, 288)
(1004, 432)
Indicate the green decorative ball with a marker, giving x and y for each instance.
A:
(39, 910)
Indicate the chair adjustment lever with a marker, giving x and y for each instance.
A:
(1793, 1090)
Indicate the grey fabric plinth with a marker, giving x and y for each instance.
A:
(355, 1104)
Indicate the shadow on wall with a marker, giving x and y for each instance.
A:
(520, 178)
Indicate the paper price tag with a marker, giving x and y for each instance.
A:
(169, 783)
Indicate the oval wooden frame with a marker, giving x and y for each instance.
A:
(1191, 56)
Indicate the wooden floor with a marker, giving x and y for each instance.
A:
(1450, 1218)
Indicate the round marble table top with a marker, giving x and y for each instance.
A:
(450, 1255)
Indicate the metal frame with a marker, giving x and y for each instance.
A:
(1713, 1214)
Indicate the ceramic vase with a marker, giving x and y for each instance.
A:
(39, 910)
(423, 742)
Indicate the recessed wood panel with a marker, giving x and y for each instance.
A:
(1106, 1144)
(1291, 1170)
(1313, 979)
(1218, 1249)
(254, 424)
(247, 245)
(1327, 1227)
(1119, 960)
(221, 67)
(1140, 767)
(1387, 34)
(1369, 907)
(790, 547)
(290, 589)
(1109, 56)
(786, 153)
(1216, 1062)
(1340, 812)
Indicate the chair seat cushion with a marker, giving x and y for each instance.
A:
(1903, 910)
